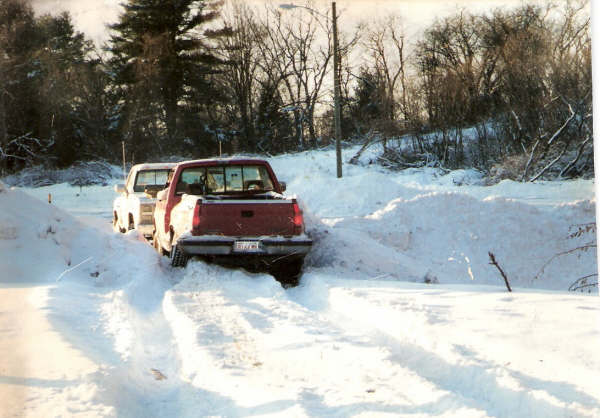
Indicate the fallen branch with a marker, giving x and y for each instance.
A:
(494, 263)
(550, 164)
(366, 144)
(556, 135)
(576, 159)
(584, 247)
(582, 284)
(564, 125)
(586, 228)
(530, 160)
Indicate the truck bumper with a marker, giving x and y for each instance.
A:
(267, 246)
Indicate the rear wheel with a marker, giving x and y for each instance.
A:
(287, 272)
(178, 257)
(116, 226)
(131, 224)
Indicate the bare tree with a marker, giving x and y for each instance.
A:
(296, 57)
(385, 43)
(240, 53)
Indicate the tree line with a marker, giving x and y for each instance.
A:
(508, 91)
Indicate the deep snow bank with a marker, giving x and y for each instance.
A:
(95, 329)
(446, 237)
(34, 238)
(429, 225)
(80, 174)
(365, 188)
(57, 376)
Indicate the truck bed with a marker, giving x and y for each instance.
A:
(245, 217)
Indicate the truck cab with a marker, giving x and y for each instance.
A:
(134, 207)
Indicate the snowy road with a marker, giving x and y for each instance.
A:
(338, 348)
(104, 327)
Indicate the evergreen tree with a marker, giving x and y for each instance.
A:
(18, 41)
(46, 68)
(63, 64)
(274, 130)
(162, 62)
(366, 108)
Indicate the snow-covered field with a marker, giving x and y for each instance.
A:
(398, 312)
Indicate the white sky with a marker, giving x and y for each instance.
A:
(91, 16)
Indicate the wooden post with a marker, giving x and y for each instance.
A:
(49, 197)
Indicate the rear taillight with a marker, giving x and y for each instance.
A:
(298, 219)
(197, 214)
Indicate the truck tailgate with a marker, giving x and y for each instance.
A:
(246, 217)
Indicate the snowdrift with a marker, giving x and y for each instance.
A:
(445, 238)
(88, 286)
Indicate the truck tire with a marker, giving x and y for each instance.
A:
(178, 258)
(287, 272)
(116, 226)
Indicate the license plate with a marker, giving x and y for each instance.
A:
(246, 246)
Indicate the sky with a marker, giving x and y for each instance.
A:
(91, 16)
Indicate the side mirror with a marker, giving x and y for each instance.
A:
(120, 188)
(283, 186)
(162, 195)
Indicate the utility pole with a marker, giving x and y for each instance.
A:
(3, 133)
(336, 93)
(337, 117)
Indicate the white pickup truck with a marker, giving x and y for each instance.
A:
(134, 208)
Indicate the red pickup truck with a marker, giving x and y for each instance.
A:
(230, 210)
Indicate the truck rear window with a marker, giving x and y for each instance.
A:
(150, 178)
(225, 179)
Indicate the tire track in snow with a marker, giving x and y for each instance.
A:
(151, 366)
(468, 380)
(122, 327)
(257, 350)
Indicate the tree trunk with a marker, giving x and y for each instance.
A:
(247, 126)
(2, 108)
(171, 114)
(299, 128)
(2, 127)
(2, 117)
(311, 128)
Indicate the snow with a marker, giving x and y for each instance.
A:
(81, 174)
(398, 312)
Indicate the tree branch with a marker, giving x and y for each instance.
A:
(495, 263)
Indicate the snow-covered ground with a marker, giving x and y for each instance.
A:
(398, 312)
